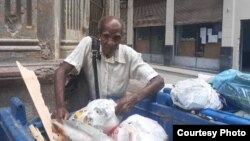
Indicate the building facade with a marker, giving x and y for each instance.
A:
(39, 34)
(210, 36)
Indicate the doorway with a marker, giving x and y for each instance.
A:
(150, 42)
(245, 46)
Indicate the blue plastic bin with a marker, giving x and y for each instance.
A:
(163, 111)
(159, 107)
(13, 122)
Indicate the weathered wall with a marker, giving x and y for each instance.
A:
(233, 12)
(21, 92)
(34, 46)
(45, 25)
(22, 40)
(12, 85)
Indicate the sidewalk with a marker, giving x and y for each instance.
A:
(173, 74)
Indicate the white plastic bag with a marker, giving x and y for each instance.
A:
(205, 77)
(195, 94)
(139, 128)
(77, 131)
(99, 113)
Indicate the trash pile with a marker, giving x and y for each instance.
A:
(95, 122)
(234, 86)
(100, 114)
(226, 91)
(195, 94)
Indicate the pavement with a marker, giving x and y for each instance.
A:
(171, 75)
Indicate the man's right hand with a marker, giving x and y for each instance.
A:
(62, 113)
(60, 80)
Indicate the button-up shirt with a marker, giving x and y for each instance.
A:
(115, 72)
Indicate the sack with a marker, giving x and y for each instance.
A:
(234, 86)
(223, 77)
(139, 128)
(77, 131)
(77, 92)
(99, 113)
(195, 94)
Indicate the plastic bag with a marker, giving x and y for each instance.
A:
(205, 77)
(139, 128)
(234, 86)
(195, 94)
(78, 131)
(222, 77)
(99, 113)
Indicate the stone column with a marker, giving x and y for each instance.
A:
(130, 23)
(169, 34)
(86, 18)
(57, 13)
(228, 29)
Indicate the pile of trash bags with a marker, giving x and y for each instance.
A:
(230, 88)
(100, 114)
(234, 86)
(195, 94)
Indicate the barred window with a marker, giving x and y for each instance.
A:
(20, 17)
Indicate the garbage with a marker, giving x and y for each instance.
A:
(234, 86)
(78, 131)
(195, 94)
(139, 128)
(205, 77)
(99, 113)
(242, 114)
(222, 77)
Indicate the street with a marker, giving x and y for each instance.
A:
(170, 75)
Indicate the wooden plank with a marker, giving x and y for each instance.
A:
(36, 133)
(34, 89)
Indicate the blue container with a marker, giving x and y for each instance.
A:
(167, 90)
(164, 111)
(13, 122)
(225, 117)
(167, 115)
(164, 99)
(159, 108)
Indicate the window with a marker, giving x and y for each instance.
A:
(199, 40)
(150, 40)
(73, 17)
(19, 17)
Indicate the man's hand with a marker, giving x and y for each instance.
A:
(62, 113)
(125, 104)
(60, 79)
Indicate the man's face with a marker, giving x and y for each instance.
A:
(110, 37)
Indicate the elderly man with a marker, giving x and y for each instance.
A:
(117, 65)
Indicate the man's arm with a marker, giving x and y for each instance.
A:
(125, 104)
(60, 80)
